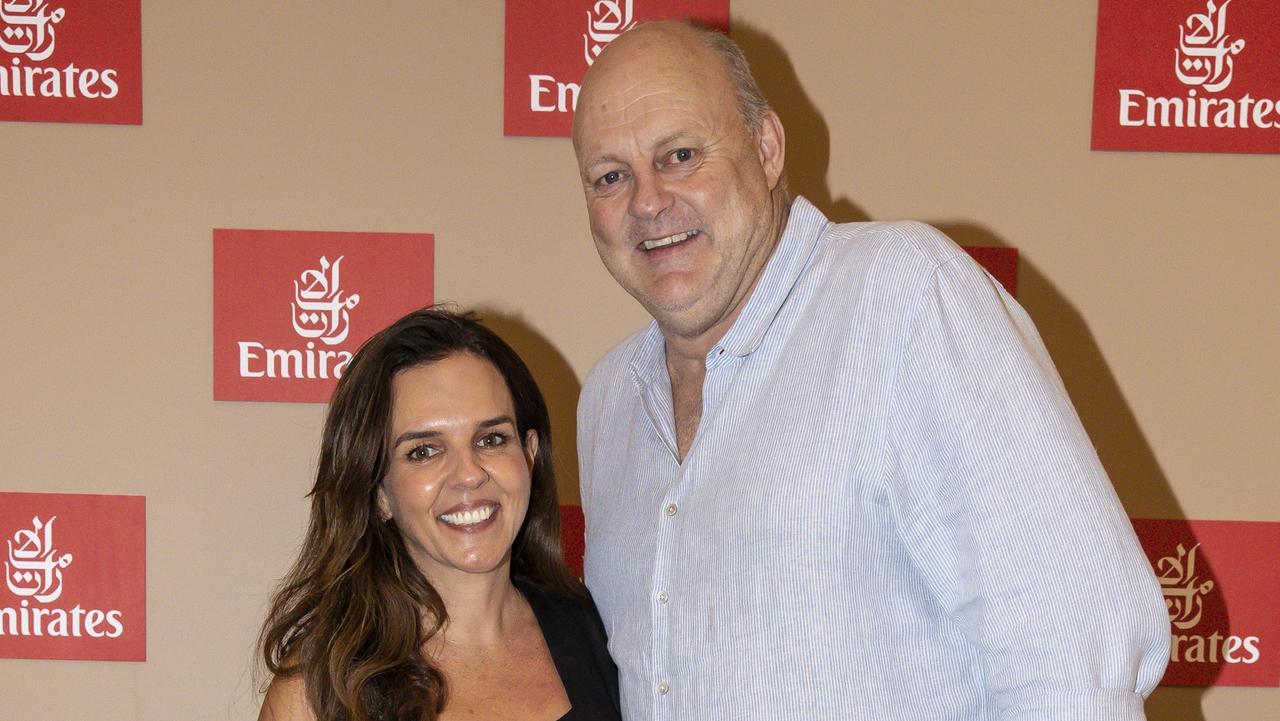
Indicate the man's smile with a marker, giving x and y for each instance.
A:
(669, 240)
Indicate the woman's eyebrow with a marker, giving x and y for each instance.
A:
(497, 421)
(413, 436)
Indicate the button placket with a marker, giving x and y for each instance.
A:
(669, 513)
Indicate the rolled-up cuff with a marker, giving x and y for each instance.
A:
(1096, 704)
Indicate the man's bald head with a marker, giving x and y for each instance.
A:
(698, 49)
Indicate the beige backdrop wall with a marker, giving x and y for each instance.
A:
(1152, 276)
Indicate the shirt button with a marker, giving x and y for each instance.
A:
(671, 509)
(663, 689)
(662, 597)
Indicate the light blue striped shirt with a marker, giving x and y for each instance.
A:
(890, 510)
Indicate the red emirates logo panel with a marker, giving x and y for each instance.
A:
(551, 43)
(75, 577)
(1220, 582)
(1188, 75)
(290, 308)
(74, 61)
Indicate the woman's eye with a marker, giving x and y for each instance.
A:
(682, 155)
(421, 453)
(493, 440)
(609, 178)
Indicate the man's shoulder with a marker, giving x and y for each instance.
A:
(906, 244)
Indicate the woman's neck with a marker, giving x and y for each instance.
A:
(482, 609)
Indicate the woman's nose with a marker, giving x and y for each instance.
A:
(469, 472)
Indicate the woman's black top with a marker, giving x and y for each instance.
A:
(576, 638)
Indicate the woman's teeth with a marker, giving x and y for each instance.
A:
(468, 518)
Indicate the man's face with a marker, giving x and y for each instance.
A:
(678, 190)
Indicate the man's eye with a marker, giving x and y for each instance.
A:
(682, 155)
(609, 178)
(493, 440)
(421, 453)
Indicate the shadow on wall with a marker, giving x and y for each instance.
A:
(1134, 470)
(808, 141)
(559, 385)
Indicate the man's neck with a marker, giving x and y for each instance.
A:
(686, 356)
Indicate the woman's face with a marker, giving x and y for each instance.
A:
(457, 484)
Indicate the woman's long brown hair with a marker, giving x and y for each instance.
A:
(354, 613)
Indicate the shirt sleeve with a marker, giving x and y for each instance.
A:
(1009, 517)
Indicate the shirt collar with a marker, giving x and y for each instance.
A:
(651, 354)
(805, 225)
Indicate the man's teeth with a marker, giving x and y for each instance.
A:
(670, 239)
(468, 518)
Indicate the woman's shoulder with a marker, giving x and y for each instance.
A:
(567, 619)
(573, 603)
(576, 637)
(286, 700)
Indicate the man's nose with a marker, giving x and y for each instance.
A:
(649, 195)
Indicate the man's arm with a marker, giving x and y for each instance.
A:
(1009, 516)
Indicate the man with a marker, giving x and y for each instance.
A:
(837, 477)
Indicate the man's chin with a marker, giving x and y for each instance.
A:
(689, 320)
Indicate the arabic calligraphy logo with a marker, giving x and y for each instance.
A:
(34, 568)
(319, 310)
(28, 28)
(1181, 586)
(606, 20)
(1204, 57)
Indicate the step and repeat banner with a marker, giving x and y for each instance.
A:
(75, 577)
(71, 62)
(290, 307)
(1189, 76)
(550, 45)
(1220, 583)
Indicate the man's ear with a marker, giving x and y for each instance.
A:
(531, 446)
(773, 147)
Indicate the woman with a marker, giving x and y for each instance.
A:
(431, 583)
